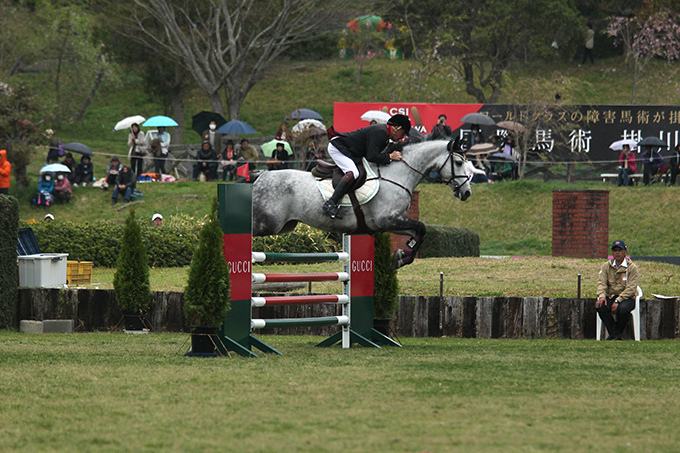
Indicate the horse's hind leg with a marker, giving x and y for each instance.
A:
(403, 225)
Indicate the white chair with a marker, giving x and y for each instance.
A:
(635, 314)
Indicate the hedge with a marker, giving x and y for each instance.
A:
(9, 221)
(447, 241)
(170, 245)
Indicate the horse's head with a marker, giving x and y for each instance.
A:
(453, 173)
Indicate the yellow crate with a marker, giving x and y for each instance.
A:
(78, 272)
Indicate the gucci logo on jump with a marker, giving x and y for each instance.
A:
(240, 267)
(362, 266)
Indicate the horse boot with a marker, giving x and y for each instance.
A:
(330, 207)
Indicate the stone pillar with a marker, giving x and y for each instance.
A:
(399, 241)
(580, 223)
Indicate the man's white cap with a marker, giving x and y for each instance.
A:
(49, 216)
(156, 216)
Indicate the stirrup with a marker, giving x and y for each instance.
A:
(332, 209)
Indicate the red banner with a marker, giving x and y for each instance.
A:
(347, 115)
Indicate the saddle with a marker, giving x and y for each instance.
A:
(326, 170)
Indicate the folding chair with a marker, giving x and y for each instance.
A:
(635, 319)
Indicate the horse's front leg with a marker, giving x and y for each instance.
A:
(401, 224)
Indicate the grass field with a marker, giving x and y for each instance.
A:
(113, 392)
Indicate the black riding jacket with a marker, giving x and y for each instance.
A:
(369, 142)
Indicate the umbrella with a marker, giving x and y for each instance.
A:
(618, 145)
(201, 121)
(55, 168)
(303, 114)
(160, 121)
(481, 148)
(511, 126)
(128, 122)
(78, 148)
(236, 127)
(309, 128)
(652, 141)
(378, 116)
(502, 156)
(270, 146)
(479, 119)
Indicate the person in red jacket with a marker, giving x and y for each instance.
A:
(627, 168)
(5, 172)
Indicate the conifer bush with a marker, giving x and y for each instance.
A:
(9, 227)
(206, 296)
(131, 280)
(386, 286)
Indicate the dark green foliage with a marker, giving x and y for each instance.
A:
(206, 297)
(447, 241)
(9, 227)
(385, 279)
(131, 280)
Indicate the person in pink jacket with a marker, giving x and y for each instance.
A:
(627, 166)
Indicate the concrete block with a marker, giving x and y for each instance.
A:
(58, 326)
(28, 326)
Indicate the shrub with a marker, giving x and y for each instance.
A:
(9, 227)
(131, 280)
(448, 241)
(206, 297)
(386, 286)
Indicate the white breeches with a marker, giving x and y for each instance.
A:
(345, 163)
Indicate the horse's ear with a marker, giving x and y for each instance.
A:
(454, 145)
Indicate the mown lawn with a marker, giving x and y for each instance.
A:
(113, 392)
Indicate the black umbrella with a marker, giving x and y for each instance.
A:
(652, 141)
(201, 121)
(479, 119)
(78, 148)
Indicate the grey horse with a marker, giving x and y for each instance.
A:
(283, 198)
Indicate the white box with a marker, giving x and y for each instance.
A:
(43, 270)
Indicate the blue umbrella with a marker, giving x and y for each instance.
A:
(303, 114)
(160, 121)
(236, 127)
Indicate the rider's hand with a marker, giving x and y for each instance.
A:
(395, 155)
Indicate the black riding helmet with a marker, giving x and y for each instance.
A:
(402, 121)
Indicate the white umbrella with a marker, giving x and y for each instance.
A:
(55, 168)
(127, 122)
(378, 116)
(309, 127)
(618, 145)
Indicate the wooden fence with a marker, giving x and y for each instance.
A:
(465, 317)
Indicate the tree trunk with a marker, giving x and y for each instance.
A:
(178, 104)
(216, 102)
(88, 100)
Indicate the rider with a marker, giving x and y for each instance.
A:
(369, 142)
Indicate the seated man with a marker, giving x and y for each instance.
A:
(652, 161)
(125, 184)
(206, 161)
(616, 290)
(84, 172)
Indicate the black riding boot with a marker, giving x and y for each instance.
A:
(331, 206)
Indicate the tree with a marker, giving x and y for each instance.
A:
(226, 44)
(131, 280)
(656, 36)
(482, 38)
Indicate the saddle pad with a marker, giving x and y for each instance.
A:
(364, 193)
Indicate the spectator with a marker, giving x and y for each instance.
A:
(283, 133)
(125, 184)
(440, 131)
(5, 172)
(249, 154)
(55, 147)
(475, 136)
(112, 172)
(157, 220)
(206, 162)
(137, 144)
(279, 158)
(616, 290)
(214, 137)
(627, 166)
(652, 162)
(588, 45)
(159, 143)
(228, 161)
(48, 218)
(45, 189)
(71, 164)
(62, 190)
(675, 164)
(84, 172)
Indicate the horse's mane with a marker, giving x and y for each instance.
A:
(424, 146)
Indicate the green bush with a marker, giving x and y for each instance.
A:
(446, 241)
(131, 280)
(386, 286)
(206, 297)
(9, 230)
